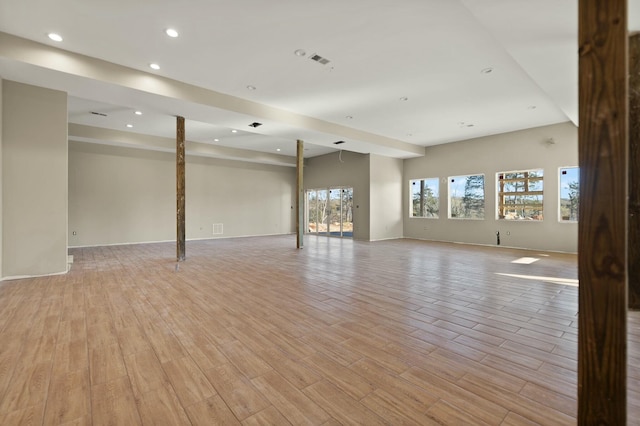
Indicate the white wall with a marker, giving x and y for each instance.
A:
(1, 184)
(346, 169)
(385, 208)
(34, 180)
(522, 150)
(126, 195)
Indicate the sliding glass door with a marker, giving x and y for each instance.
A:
(347, 212)
(329, 211)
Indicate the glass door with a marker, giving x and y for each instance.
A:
(335, 224)
(329, 211)
(312, 212)
(323, 217)
(347, 212)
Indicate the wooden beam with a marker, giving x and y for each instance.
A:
(421, 212)
(633, 261)
(180, 189)
(300, 195)
(602, 233)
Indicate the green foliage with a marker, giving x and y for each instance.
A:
(473, 199)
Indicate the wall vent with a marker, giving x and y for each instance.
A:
(217, 229)
(319, 59)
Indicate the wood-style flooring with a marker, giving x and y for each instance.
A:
(252, 331)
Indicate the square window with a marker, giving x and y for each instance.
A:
(466, 197)
(425, 200)
(521, 195)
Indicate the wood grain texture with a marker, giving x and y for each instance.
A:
(180, 190)
(633, 262)
(299, 194)
(253, 331)
(602, 231)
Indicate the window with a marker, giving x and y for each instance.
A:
(425, 201)
(569, 194)
(520, 195)
(466, 197)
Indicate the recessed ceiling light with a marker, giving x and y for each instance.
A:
(278, 149)
(234, 131)
(404, 98)
(488, 70)
(129, 125)
(250, 87)
(154, 66)
(216, 140)
(171, 32)
(138, 113)
(300, 52)
(55, 37)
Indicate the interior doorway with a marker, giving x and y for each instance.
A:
(329, 211)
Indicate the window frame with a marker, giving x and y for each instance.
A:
(451, 180)
(437, 197)
(577, 208)
(526, 180)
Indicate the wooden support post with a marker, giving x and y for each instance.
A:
(421, 197)
(180, 189)
(633, 261)
(602, 231)
(299, 195)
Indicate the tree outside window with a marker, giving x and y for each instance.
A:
(569, 194)
(466, 197)
(425, 201)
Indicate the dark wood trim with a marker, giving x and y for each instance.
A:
(300, 194)
(602, 241)
(633, 261)
(180, 189)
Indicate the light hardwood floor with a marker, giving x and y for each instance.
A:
(252, 331)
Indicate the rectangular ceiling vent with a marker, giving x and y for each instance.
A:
(319, 59)
(99, 113)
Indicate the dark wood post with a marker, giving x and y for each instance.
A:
(180, 189)
(421, 197)
(633, 261)
(602, 231)
(299, 195)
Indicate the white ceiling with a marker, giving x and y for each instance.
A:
(431, 52)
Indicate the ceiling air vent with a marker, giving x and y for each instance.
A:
(255, 124)
(338, 143)
(319, 59)
(99, 113)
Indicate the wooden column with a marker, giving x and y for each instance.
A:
(602, 230)
(421, 198)
(180, 189)
(300, 195)
(633, 261)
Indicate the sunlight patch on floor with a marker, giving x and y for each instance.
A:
(553, 280)
(525, 260)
